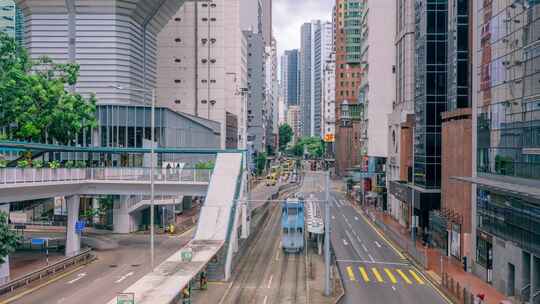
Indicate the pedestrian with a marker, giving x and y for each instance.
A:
(479, 299)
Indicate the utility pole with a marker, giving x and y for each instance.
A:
(327, 288)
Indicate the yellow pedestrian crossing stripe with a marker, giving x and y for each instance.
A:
(384, 275)
(390, 275)
(350, 273)
(377, 275)
(416, 277)
(403, 276)
(364, 274)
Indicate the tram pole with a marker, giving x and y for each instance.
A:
(327, 288)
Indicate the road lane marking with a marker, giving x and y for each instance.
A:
(364, 246)
(122, 278)
(403, 276)
(371, 258)
(265, 299)
(350, 273)
(79, 276)
(345, 242)
(399, 253)
(390, 275)
(394, 288)
(378, 245)
(29, 291)
(364, 274)
(416, 277)
(356, 218)
(371, 262)
(277, 252)
(270, 281)
(377, 275)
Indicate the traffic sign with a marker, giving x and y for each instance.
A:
(329, 137)
(37, 242)
(187, 255)
(79, 226)
(125, 298)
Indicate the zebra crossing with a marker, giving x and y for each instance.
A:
(384, 275)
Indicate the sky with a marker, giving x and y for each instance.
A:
(289, 15)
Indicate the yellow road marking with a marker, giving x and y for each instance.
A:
(416, 277)
(402, 274)
(29, 291)
(390, 275)
(350, 273)
(383, 237)
(377, 275)
(363, 272)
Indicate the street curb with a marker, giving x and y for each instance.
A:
(340, 296)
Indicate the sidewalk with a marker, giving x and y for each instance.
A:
(453, 279)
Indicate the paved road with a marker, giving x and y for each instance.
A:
(265, 275)
(111, 273)
(372, 271)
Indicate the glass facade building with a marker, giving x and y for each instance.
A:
(509, 97)
(12, 20)
(431, 89)
(458, 54)
(508, 146)
(122, 126)
(353, 30)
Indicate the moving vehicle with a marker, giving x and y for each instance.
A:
(271, 179)
(292, 225)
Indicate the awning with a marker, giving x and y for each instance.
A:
(520, 190)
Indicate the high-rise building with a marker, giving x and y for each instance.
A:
(290, 77)
(267, 22)
(347, 46)
(311, 78)
(376, 92)
(506, 145)
(293, 119)
(251, 15)
(202, 64)
(256, 101)
(430, 102)
(401, 120)
(272, 94)
(329, 101)
(12, 20)
(115, 45)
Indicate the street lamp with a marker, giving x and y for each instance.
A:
(152, 162)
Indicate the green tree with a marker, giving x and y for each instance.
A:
(285, 136)
(202, 165)
(260, 163)
(312, 145)
(35, 103)
(8, 238)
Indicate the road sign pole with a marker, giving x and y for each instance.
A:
(327, 288)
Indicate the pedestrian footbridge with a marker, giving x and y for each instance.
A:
(18, 184)
(214, 242)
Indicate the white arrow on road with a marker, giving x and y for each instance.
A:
(124, 277)
(378, 245)
(345, 242)
(356, 218)
(79, 276)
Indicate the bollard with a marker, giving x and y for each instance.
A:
(464, 295)
(458, 290)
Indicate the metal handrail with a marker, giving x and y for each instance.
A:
(84, 256)
(78, 175)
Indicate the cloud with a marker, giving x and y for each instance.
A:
(289, 15)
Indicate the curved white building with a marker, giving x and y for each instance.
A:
(113, 41)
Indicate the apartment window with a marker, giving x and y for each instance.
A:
(177, 81)
(177, 19)
(177, 60)
(204, 101)
(213, 5)
(177, 101)
(177, 40)
(212, 81)
(205, 5)
(204, 19)
(213, 19)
